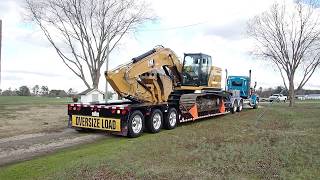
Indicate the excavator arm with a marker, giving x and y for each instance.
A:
(150, 77)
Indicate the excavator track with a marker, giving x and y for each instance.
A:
(187, 101)
(203, 102)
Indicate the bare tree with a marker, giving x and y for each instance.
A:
(44, 90)
(290, 38)
(35, 90)
(85, 32)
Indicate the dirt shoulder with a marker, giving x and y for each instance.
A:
(27, 146)
(31, 130)
(29, 119)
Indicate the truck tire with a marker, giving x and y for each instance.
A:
(256, 105)
(154, 123)
(234, 107)
(171, 119)
(240, 107)
(135, 124)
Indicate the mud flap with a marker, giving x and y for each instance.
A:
(194, 112)
(222, 108)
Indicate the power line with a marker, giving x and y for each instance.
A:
(174, 28)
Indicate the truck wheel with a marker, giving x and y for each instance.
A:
(256, 105)
(170, 122)
(154, 124)
(135, 124)
(240, 107)
(234, 107)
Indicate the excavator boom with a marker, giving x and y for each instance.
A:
(150, 77)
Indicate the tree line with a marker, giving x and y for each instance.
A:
(38, 91)
(264, 93)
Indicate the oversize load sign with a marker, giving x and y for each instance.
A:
(96, 123)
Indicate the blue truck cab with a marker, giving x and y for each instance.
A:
(242, 85)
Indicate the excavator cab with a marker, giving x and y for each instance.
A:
(196, 69)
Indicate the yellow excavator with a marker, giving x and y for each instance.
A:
(154, 75)
(160, 91)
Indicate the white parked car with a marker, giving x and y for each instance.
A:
(278, 98)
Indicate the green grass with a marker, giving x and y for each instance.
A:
(34, 100)
(283, 144)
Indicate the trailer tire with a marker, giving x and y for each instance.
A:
(240, 107)
(171, 119)
(234, 107)
(135, 124)
(154, 123)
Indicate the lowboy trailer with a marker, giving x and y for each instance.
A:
(127, 118)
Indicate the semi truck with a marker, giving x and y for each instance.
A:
(241, 86)
(159, 92)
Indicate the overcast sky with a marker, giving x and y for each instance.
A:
(213, 27)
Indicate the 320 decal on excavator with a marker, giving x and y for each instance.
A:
(160, 92)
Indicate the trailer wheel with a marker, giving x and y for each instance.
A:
(154, 124)
(135, 124)
(234, 107)
(170, 122)
(240, 107)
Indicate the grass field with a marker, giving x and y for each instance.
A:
(283, 144)
(32, 100)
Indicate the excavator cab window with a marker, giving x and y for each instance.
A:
(195, 69)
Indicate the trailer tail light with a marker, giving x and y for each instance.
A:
(125, 110)
(113, 111)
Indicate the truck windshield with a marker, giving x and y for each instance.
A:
(236, 83)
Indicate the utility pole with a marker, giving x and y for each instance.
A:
(107, 68)
(0, 48)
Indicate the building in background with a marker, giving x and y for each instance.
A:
(308, 97)
(91, 95)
